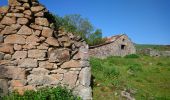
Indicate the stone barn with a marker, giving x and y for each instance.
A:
(119, 45)
(33, 54)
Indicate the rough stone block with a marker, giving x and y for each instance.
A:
(20, 55)
(39, 71)
(71, 64)
(22, 21)
(47, 32)
(59, 55)
(13, 3)
(42, 80)
(12, 72)
(41, 21)
(85, 76)
(6, 48)
(27, 12)
(37, 8)
(3, 87)
(14, 39)
(70, 79)
(2, 56)
(33, 40)
(46, 65)
(38, 54)
(8, 20)
(17, 83)
(25, 31)
(52, 41)
(28, 63)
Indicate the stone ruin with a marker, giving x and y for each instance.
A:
(33, 54)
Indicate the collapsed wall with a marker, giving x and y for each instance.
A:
(33, 54)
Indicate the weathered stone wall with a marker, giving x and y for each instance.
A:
(154, 53)
(120, 47)
(33, 54)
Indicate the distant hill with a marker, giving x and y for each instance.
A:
(156, 47)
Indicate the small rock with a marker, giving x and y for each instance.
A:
(17, 47)
(2, 56)
(7, 57)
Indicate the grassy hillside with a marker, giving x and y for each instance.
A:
(156, 47)
(144, 77)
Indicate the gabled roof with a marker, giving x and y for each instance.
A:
(108, 40)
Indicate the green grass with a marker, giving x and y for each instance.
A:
(148, 76)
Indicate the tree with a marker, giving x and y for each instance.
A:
(78, 25)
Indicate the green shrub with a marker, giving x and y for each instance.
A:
(132, 56)
(96, 64)
(111, 72)
(135, 68)
(48, 93)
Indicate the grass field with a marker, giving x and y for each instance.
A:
(147, 78)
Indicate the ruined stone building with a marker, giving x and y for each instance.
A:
(33, 54)
(119, 45)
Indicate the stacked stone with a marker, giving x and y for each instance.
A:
(33, 54)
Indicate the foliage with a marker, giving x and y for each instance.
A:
(47, 93)
(78, 25)
(150, 81)
(132, 56)
(135, 68)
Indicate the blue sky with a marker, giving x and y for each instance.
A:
(144, 21)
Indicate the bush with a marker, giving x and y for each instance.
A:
(132, 56)
(135, 68)
(47, 93)
(111, 72)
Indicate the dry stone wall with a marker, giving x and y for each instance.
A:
(33, 54)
